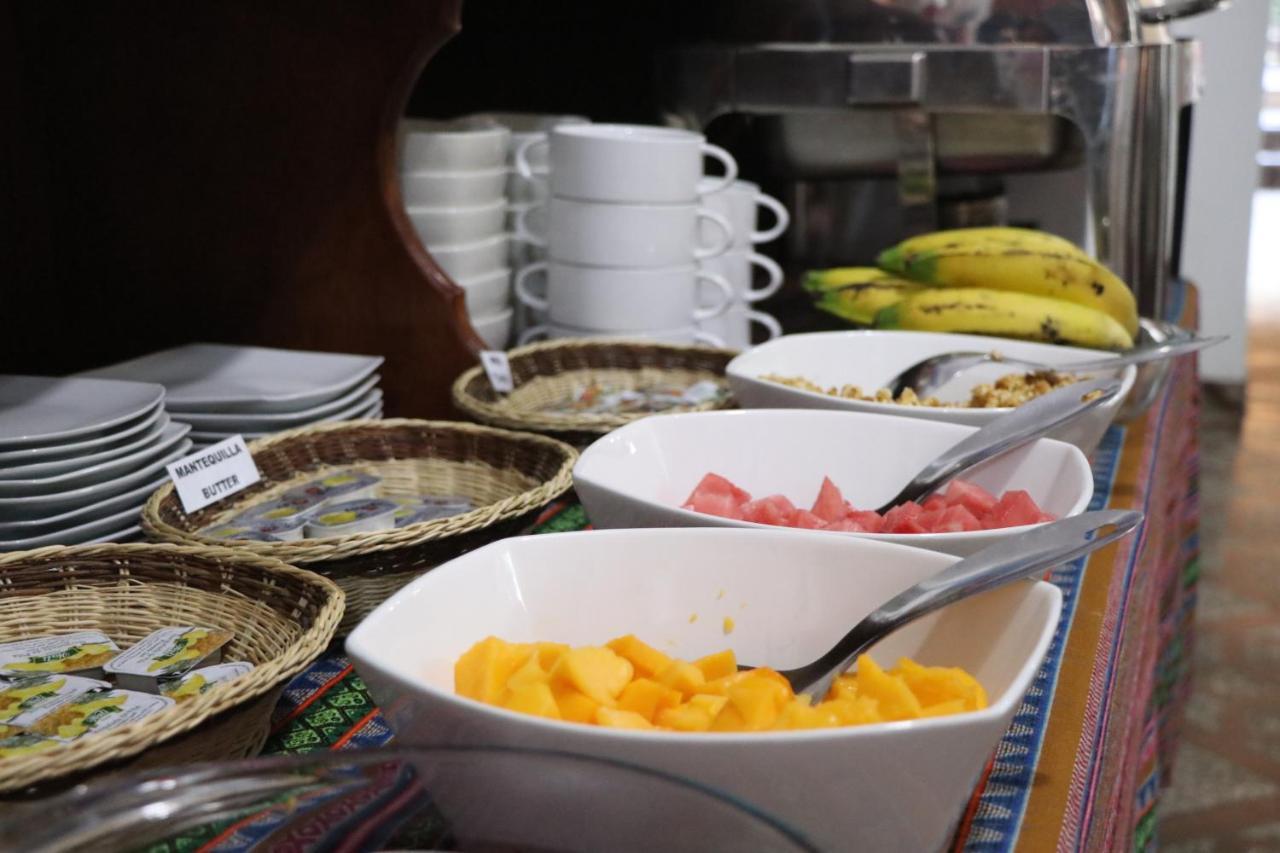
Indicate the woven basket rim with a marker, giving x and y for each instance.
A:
(133, 738)
(500, 414)
(308, 551)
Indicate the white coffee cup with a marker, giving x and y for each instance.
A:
(619, 300)
(629, 163)
(494, 329)
(453, 189)
(624, 235)
(734, 326)
(471, 260)
(683, 335)
(487, 294)
(740, 203)
(452, 146)
(436, 225)
(736, 268)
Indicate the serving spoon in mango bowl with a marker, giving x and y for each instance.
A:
(1010, 559)
(928, 375)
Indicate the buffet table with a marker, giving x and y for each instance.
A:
(1083, 764)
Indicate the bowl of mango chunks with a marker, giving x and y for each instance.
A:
(660, 647)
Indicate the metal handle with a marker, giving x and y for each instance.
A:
(1166, 12)
(1014, 429)
(1142, 355)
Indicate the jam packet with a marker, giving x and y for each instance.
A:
(82, 653)
(167, 653)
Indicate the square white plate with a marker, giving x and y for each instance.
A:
(240, 422)
(173, 433)
(80, 533)
(124, 434)
(224, 378)
(43, 410)
(41, 525)
(364, 408)
(56, 467)
(43, 506)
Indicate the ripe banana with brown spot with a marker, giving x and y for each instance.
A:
(857, 293)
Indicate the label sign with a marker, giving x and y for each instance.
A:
(498, 369)
(209, 475)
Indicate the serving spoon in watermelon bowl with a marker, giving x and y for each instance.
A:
(1022, 556)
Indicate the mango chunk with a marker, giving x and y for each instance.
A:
(575, 706)
(718, 665)
(534, 698)
(799, 714)
(935, 685)
(894, 698)
(943, 709)
(482, 672)
(759, 698)
(686, 718)
(682, 676)
(619, 719)
(647, 697)
(647, 660)
(598, 673)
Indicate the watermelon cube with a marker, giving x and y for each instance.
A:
(935, 502)
(849, 525)
(1014, 509)
(806, 520)
(774, 509)
(870, 520)
(972, 497)
(830, 505)
(903, 518)
(956, 519)
(714, 484)
(714, 495)
(930, 518)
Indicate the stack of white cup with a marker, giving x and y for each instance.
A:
(453, 176)
(624, 229)
(740, 203)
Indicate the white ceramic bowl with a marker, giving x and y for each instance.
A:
(869, 359)
(894, 786)
(436, 225)
(494, 329)
(684, 335)
(471, 260)
(487, 294)
(454, 145)
(640, 474)
(453, 189)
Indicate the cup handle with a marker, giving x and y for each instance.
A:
(726, 296)
(537, 303)
(769, 322)
(720, 246)
(522, 160)
(531, 333)
(525, 234)
(730, 169)
(775, 277)
(708, 339)
(780, 213)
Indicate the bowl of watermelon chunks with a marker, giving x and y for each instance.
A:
(825, 472)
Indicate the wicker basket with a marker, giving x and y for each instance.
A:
(511, 477)
(282, 619)
(547, 373)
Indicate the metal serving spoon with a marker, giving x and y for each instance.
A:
(1008, 560)
(925, 377)
(1006, 432)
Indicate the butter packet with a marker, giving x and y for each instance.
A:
(167, 653)
(277, 510)
(199, 680)
(82, 653)
(282, 529)
(14, 742)
(340, 486)
(358, 516)
(416, 510)
(97, 711)
(25, 700)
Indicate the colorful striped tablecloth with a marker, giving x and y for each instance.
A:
(1082, 765)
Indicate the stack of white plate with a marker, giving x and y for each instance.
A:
(224, 390)
(79, 457)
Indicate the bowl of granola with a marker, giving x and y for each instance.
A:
(847, 371)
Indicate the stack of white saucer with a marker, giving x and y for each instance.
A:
(453, 176)
(224, 390)
(622, 231)
(79, 458)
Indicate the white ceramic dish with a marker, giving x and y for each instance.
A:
(121, 435)
(494, 329)
(625, 235)
(455, 145)
(471, 260)
(128, 534)
(737, 267)
(623, 299)
(734, 326)
(43, 506)
(363, 408)
(893, 786)
(172, 433)
(56, 467)
(487, 294)
(683, 335)
(281, 420)
(79, 533)
(640, 474)
(44, 410)
(868, 359)
(453, 189)
(82, 515)
(226, 378)
(458, 224)
(740, 203)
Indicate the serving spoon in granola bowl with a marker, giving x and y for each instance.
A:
(926, 376)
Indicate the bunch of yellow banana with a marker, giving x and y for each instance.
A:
(1010, 282)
